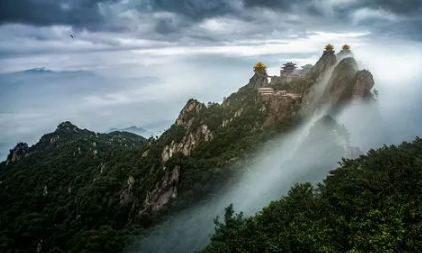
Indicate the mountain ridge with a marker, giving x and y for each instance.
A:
(146, 178)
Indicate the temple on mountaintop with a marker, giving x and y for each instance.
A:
(289, 74)
(345, 52)
(259, 66)
(289, 70)
(346, 47)
(329, 48)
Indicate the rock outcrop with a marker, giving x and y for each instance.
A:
(192, 134)
(363, 85)
(327, 60)
(164, 191)
(340, 86)
(17, 153)
(277, 108)
(259, 80)
(192, 107)
(345, 84)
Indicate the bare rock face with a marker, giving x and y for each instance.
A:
(259, 80)
(345, 84)
(187, 144)
(128, 191)
(18, 152)
(192, 106)
(364, 84)
(192, 136)
(327, 60)
(340, 85)
(54, 139)
(276, 108)
(164, 191)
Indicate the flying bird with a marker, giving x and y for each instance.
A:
(71, 36)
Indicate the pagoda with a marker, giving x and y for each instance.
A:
(288, 67)
(259, 66)
(329, 48)
(345, 52)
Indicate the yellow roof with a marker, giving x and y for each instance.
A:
(259, 65)
(346, 47)
(329, 47)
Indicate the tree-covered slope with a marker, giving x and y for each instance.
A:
(67, 192)
(369, 204)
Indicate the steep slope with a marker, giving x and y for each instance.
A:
(259, 79)
(327, 60)
(337, 85)
(370, 204)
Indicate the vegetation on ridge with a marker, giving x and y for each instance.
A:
(370, 204)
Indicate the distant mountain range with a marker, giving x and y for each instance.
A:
(133, 129)
(43, 72)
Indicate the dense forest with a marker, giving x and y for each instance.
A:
(62, 197)
(369, 204)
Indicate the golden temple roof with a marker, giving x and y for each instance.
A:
(329, 47)
(259, 65)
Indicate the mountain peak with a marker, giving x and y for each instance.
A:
(66, 125)
(38, 70)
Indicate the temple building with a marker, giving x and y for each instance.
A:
(345, 52)
(266, 91)
(289, 69)
(329, 48)
(259, 66)
(290, 66)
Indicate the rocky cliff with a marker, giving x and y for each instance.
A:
(327, 60)
(18, 152)
(259, 80)
(338, 82)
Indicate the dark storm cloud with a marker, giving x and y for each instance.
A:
(282, 4)
(77, 13)
(195, 9)
(395, 6)
(183, 20)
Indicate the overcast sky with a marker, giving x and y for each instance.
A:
(196, 48)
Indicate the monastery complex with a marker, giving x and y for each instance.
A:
(288, 73)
